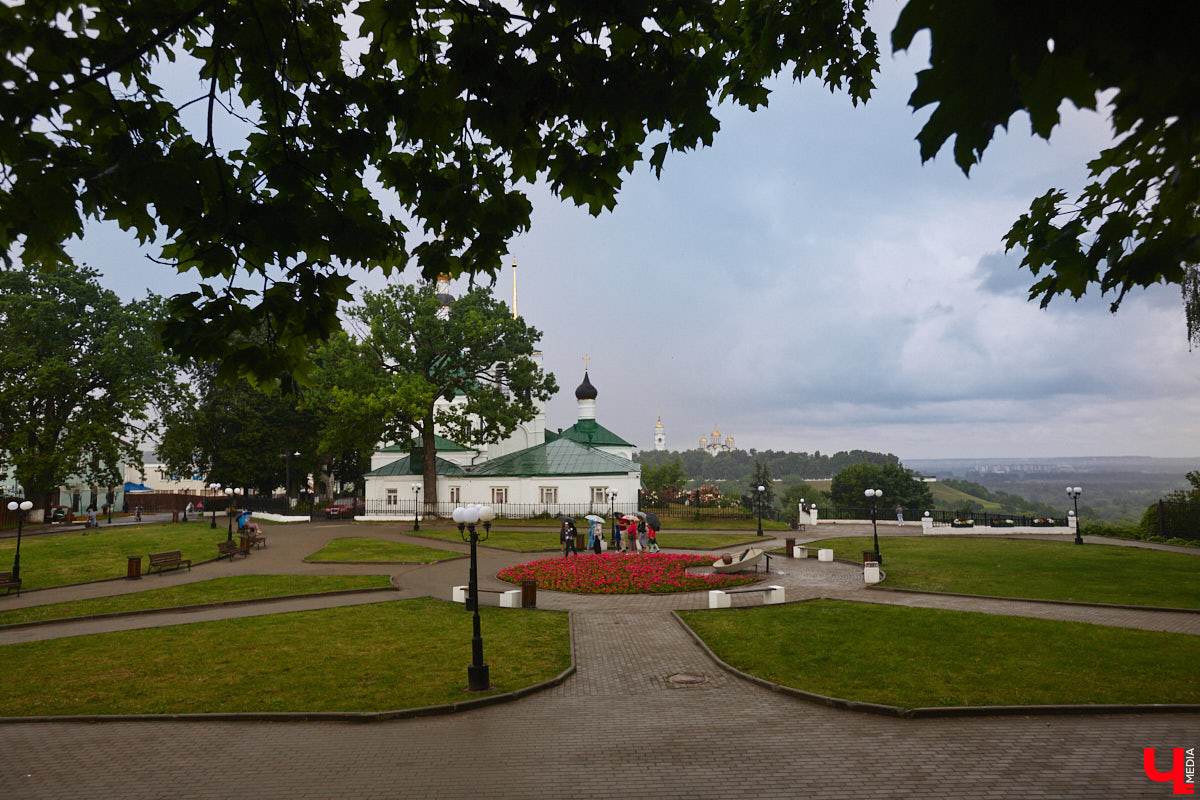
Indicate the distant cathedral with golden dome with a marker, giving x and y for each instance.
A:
(713, 443)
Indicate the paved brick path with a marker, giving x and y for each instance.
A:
(618, 728)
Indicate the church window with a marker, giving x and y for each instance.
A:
(549, 494)
(599, 494)
(456, 494)
(391, 497)
(499, 494)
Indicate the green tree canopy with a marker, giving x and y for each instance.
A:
(666, 479)
(1136, 223)
(477, 358)
(79, 371)
(239, 436)
(290, 141)
(898, 484)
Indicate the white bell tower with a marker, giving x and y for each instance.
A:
(660, 435)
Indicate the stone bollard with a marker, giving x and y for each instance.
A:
(871, 572)
(799, 552)
(718, 599)
(825, 555)
(775, 596)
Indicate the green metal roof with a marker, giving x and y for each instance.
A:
(407, 466)
(440, 444)
(588, 431)
(558, 457)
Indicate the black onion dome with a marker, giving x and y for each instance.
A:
(445, 299)
(585, 391)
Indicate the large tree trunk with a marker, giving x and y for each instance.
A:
(429, 459)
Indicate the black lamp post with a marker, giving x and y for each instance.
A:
(758, 501)
(229, 493)
(213, 488)
(287, 476)
(22, 508)
(612, 512)
(416, 506)
(477, 672)
(875, 494)
(1073, 492)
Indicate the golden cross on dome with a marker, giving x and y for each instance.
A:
(586, 359)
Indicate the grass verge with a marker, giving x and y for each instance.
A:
(218, 590)
(1033, 569)
(918, 657)
(73, 557)
(381, 656)
(357, 548)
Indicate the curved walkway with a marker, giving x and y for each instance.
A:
(619, 727)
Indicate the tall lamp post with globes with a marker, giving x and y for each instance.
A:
(758, 503)
(1073, 492)
(230, 492)
(22, 508)
(416, 506)
(875, 494)
(477, 672)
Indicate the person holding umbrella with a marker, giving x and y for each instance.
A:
(652, 525)
(594, 531)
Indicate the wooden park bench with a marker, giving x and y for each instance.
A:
(170, 560)
(8, 584)
(231, 549)
(253, 539)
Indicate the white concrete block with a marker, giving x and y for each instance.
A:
(718, 599)
(799, 552)
(927, 525)
(510, 599)
(460, 594)
(774, 596)
(824, 555)
(871, 572)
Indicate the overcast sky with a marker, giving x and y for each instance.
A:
(807, 284)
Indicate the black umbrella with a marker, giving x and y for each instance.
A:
(565, 518)
(652, 521)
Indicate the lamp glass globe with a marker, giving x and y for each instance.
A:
(487, 514)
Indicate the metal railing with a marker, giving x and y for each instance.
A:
(443, 509)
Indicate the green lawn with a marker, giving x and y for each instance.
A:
(381, 656)
(64, 558)
(537, 541)
(243, 587)
(1034, 569)
(918, 657)
(357, 548)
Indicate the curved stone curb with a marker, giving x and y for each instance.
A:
(1081, 603)
(327, 716)
(935, 711)
(194, 607)
(457, 557)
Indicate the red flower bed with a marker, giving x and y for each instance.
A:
(622, 573)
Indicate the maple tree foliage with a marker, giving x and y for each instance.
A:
(306, 138)
(1135, 224)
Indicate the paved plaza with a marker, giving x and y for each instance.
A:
(619, 727)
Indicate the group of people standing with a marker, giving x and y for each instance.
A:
(628, 536)
(637, 536)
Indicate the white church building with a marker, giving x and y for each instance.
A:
(583, 469)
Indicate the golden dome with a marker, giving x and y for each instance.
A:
(716, 434)
(703, 440)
